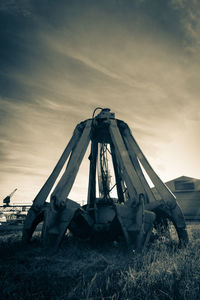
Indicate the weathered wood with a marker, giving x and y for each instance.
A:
(64, 186)
(45, 190)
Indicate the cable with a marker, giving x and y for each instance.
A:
(96, 110)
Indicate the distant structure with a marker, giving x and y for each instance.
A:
(6, 201)
(187, 192)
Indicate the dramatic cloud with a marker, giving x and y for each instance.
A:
(60, 60)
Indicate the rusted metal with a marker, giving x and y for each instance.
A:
(131, 216)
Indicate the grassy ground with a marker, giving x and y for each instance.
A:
(83, 271)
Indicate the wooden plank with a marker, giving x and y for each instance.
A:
(64, 186)
(162, 189)
(45, 190)
(130, 177)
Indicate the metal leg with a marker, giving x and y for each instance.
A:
(131, 219)
(36, 209)
(45, 190)
(139, 172)
(64, 186)
(92, 176)
(162, 189)
(34, 217)
(56, 224)
(118, 176)
(63, 209)
(130, 177)
(149, 218)
(166, 195)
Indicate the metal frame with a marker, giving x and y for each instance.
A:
(126, 157)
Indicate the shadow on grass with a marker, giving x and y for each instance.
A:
(81, 270)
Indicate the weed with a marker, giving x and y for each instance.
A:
(83, 271)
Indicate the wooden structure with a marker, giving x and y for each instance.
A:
(131, 215)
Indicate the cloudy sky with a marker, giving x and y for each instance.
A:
(61, 59)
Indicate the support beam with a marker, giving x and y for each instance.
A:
(45, 190)
(64, 186)
(130, 177)
(162, 189)
(92, 175)
(138, 170)
(33, 216)
(118, 177)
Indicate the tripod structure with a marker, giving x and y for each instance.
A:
(131, 215)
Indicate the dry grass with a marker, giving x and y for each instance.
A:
(83, 271)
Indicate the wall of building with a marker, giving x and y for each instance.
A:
(187, 192)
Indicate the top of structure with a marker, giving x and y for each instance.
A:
(105, 114)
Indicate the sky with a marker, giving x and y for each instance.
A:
(59, 60)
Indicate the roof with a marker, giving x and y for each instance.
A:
(185, 178)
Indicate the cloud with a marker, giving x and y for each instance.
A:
(122, 55)
(189, 12)
(20, 7)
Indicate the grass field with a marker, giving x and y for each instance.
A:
(83, 271)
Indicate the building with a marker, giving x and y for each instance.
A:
(187, 192)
